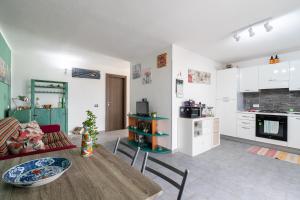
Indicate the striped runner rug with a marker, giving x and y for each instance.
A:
(272, 153)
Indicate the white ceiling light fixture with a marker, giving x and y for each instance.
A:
(251, 32)
(236, 37)
(268, 27)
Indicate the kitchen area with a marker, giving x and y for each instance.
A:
(261, 103)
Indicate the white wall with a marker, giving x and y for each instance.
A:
(83, 93)
(182, 61)
(158, 93)
(294, 55)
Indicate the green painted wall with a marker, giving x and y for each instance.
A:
(5, 91)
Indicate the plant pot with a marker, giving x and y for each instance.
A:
(86, 144)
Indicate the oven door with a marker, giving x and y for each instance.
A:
(271, 127)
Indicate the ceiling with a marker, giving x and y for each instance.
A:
(135, 28)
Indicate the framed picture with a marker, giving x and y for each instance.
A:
(3, 71)
(85, 73)
(136, 71)
(200, 77)
(146, 76)
(179, 88)
(162, 60)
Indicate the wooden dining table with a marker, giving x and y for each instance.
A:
(102, 176)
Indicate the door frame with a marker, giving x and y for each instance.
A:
(124, 98)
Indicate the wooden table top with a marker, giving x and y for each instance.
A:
(101, 176)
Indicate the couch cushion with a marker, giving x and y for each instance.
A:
(54, 137)
(8, 127)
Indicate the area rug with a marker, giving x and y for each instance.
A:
(272, 153)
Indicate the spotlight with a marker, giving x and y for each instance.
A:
(251, 32)
(236, 37)
(268, 27)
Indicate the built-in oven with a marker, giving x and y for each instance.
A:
(271, 127)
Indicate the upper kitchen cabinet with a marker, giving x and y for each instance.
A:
(227, 86)
(274, 76)
(294, 75)
(249, 79)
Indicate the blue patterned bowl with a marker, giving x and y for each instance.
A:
(36, 172)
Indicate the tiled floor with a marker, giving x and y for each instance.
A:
(227, 172)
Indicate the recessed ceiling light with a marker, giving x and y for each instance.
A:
(268, 27)
(236, 37)
(251, 32)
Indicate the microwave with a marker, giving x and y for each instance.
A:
(190, 112)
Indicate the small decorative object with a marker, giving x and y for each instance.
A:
(195, 76)
(154, 114)
(179, 88)
(78, 130)
(37, 103)
(276, 60)
(36, 172)
(90, 125)
(162, 60)
(25, 100)
(86, 144)
(146, 76)
(47, 106)
(85, 73)
(271, 61)
(136, 71)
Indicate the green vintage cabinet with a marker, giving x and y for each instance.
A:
(58, 116)
(42, 116)
(24, 116)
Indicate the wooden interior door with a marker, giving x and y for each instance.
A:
(115, 102)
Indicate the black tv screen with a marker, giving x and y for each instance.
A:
(142, 108)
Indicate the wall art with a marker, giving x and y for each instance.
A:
(179, 88)
(147, 79)
(85, 73)
(3, 71)
(200, 77)
(162, 60)
(136, 71)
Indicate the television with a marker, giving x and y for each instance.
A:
(142, 108)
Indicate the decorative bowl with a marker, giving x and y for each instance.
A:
(36, 172)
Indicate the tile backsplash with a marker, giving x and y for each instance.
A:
(274, 99)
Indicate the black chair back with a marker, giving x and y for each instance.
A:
(184, 174)
(132, 157)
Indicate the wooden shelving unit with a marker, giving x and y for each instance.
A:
(153, 133)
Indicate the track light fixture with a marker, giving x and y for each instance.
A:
(251, 32)
(236, 37)
(265, 22)
(268, 27)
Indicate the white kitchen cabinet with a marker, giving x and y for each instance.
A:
(227, 89)
(294, 75)
(226, 112)
(246, 126)
(274, 76)
(227, 83)
(294, 132)
(249, 79)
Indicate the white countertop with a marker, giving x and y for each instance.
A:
(291, 114)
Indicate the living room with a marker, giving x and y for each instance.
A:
(149, 100)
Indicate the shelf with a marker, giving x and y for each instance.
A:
(49, 92)
(159, 149)
(139, 132)
(147, 118)
(51, 87)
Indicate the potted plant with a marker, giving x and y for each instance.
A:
(89, 137)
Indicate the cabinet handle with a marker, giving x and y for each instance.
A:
(245, 127)
(246, 123)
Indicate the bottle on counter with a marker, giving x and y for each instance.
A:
(271, 61)
(276, 60)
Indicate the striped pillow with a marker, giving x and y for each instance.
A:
(8, 127)
(54, 137)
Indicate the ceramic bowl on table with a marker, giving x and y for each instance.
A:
(36, 172)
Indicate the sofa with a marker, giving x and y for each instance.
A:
(53, 138)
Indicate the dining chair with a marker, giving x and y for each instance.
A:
(179, 186)
(118, 149)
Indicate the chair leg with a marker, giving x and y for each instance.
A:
(116, 146)
(135, 156)
(144, 162)
(182, 184)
